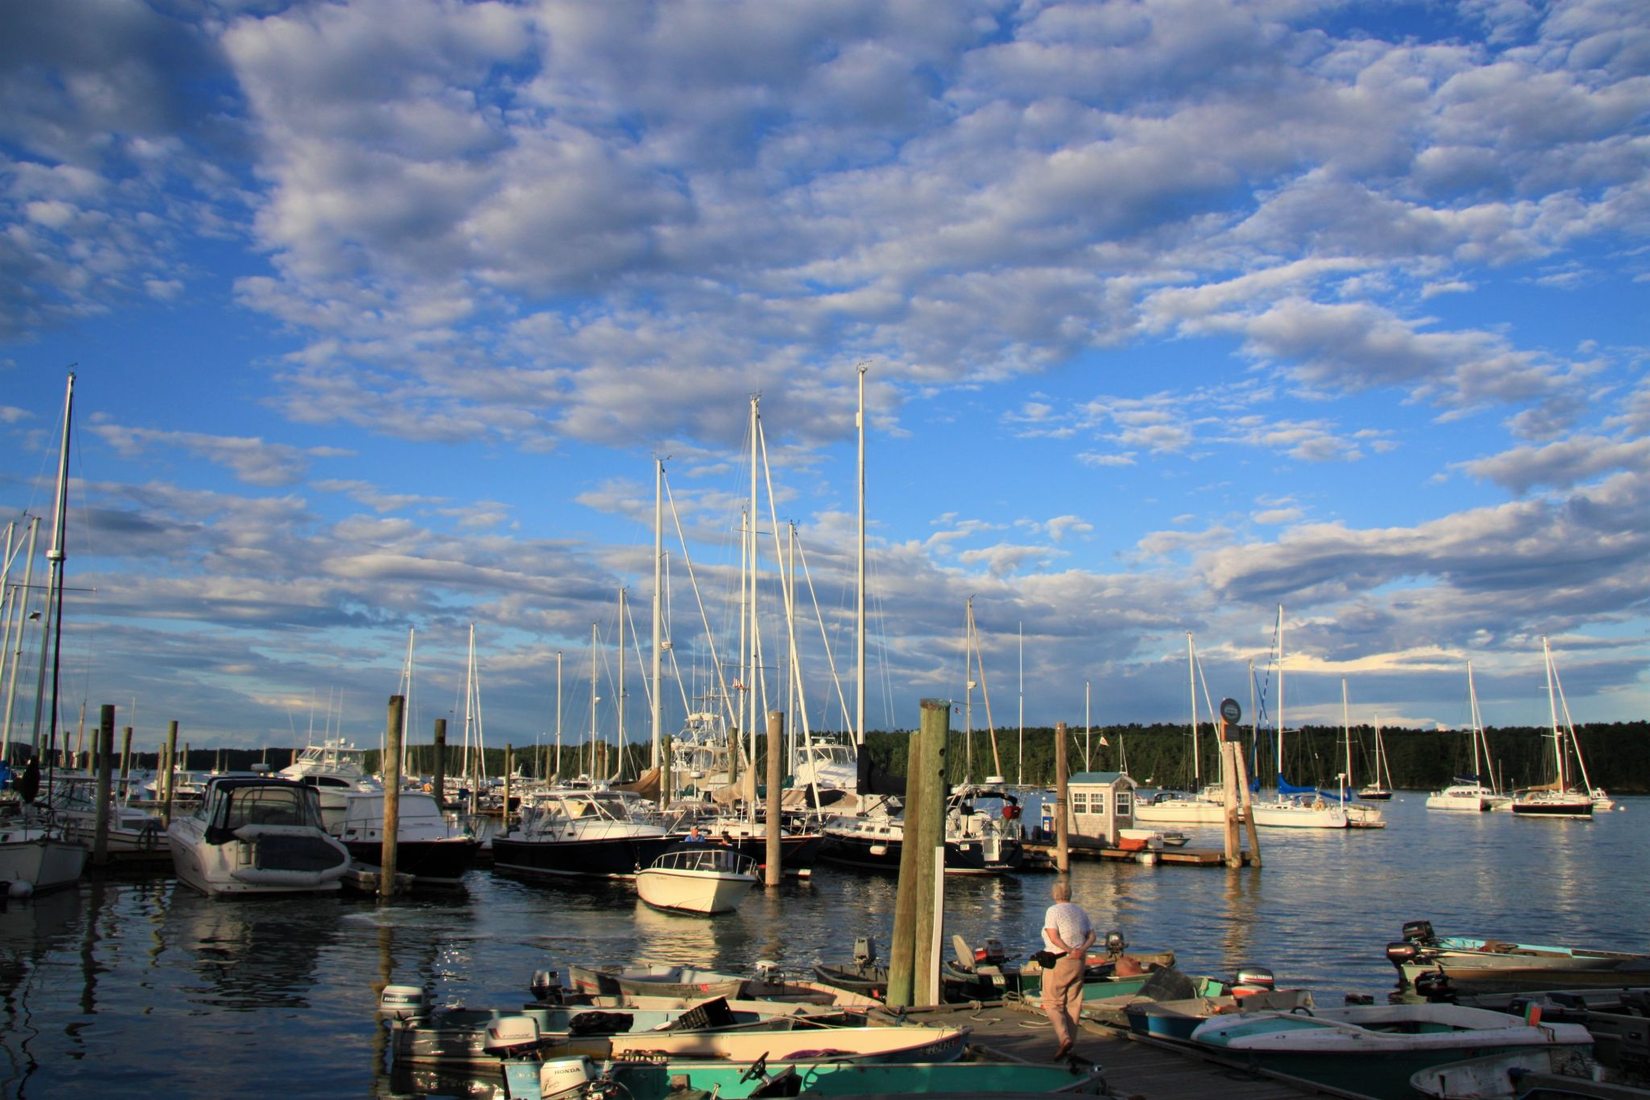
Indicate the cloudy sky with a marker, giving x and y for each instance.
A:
(1170, 314)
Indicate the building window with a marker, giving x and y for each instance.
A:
(1125, 804)
(1079, 803)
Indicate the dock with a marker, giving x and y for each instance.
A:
(1135, 1067)
(1041, 856)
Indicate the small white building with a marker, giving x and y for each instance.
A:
(1101, 807)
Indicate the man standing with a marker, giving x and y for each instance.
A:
(1068, 932)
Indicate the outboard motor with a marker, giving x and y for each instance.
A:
(1434, 985)
(509, 1035)
(768, 971)
(1401, 953)
(546, 987)
(865, 952)
(403, 1002)
(1253, 979)
(990, 954)
(565, 1077)
(1115, 943)
(1419, 931)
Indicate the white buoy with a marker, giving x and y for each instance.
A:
(22, 888)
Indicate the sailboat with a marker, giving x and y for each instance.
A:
(1380, 790)
(1601, 798)
(1468, 793)
(1204, 805)
(1295, 807)
(35, 855)
(1556, 799)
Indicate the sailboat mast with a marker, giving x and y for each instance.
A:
(1191, 682)
(655, 716)
(1552, 707)
(558, 713)
(51, 624)
(1280, 695)
(859, 598)
(751, 718)
(1477, 728)
(20, 598)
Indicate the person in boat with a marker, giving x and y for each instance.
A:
(694, 836)
(1067, 933)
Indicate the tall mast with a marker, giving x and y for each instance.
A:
(618, 738)
(1477, 729)
(20, 598)
(751, 719)
(51, 624)
(859, 599)
(1191, 680)
(593, 700)
(1552, 707)
(658, 603)
(558, 713)
(1280, 694)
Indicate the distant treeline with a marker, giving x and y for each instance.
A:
(1617, 756)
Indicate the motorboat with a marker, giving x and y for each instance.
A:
(594, 832)
(1374, 1050)
(697, 878)
(257, 835)
(825, 1077)
(1498, 1076)
(906, 1043)
(653, 979)
(1465, 795)
(983, 831)
(335, 768)
(1479, 964)
(131, 830)
(431, 848)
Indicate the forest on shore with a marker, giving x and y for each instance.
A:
(1616, 756)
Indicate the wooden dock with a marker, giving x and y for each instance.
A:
(1135, 1067)
(1041, 856)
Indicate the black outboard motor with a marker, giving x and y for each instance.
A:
(1434, 985)
(1419, 931)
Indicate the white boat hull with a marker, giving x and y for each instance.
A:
(693, 891)
(33, 861)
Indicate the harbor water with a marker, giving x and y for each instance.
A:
(138, 986)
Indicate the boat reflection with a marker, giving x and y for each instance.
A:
(250, 955)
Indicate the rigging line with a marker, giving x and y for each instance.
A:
(724, 695)
(824, 637)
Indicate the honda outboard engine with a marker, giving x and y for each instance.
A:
(565, 1077)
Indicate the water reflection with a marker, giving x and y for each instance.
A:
(252, 955)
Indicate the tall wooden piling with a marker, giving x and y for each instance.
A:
(392, 796)
(440, 781)
(1062, 788)
(902, 951)
(1248, 806)
(105, 783)
(1229, 791)
(169, 776)
(929, 814)
(776, 738)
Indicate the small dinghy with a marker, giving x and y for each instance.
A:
(697, 878)
(1374, 1050)
(1497, 1076)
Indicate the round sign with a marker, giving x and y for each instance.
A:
(1230, 710)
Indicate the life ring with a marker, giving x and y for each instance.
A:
(1010, 811)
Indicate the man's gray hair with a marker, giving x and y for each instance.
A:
(1062, 889)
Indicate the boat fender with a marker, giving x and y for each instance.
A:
(1010, 811)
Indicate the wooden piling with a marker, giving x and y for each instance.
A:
(1062, 787)
(776, 738)
(441, 762)
(169, 776)
(504, 813)
(392, 796)
(105, 782)
(928, 810)
(1248, 807)
(902, 951)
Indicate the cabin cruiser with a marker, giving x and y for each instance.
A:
(983, 831)
(599, 832)
(335, 768)
(256, 835)
(429, 847)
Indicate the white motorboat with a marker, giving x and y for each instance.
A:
(335, 768)
(256, 835)
(697, 878)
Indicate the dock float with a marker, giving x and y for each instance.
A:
(1041, 856)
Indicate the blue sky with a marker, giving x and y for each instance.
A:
(1171, 313)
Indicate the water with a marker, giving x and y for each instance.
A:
(140, 985)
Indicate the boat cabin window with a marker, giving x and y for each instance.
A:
(266, 806)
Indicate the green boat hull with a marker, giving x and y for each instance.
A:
(653, 1081)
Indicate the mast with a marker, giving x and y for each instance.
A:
(749, 709)
(1280, 696)
(1477, 727)
(51, 626)
(1191, 682)
(655, 713)
(1346, 732)
(618, 738)
(558, 714)
(859, 598)
(593, 701)
(20, 601)
(1552, 707)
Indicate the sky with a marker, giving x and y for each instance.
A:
(1173, 319)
